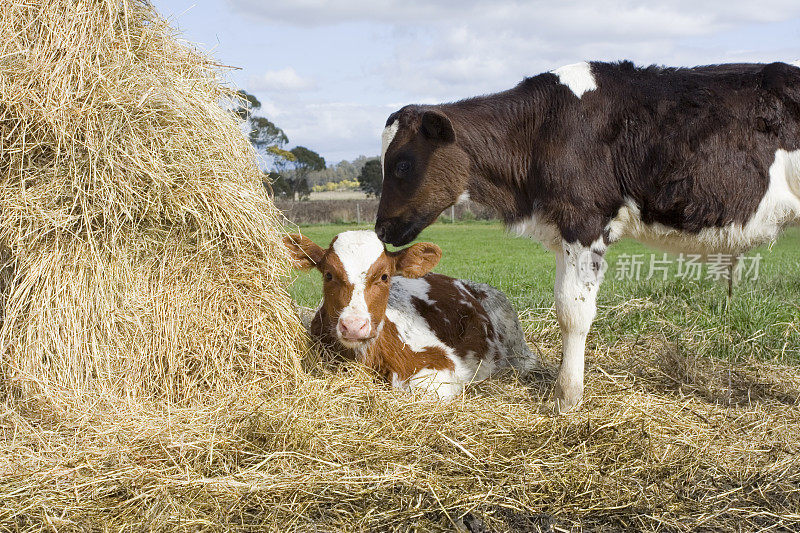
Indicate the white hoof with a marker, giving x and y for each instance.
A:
(566, 399)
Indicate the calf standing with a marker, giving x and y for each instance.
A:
(420, 331)
(703, 160)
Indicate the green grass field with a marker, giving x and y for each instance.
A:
(761, 321)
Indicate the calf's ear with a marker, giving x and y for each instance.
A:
(304, 253)
(417, 260)
(437, 126)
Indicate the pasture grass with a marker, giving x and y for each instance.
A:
(761, 320)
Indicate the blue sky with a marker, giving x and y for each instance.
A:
(329, 73)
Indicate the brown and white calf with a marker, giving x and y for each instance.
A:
(704, 160)
(420, 331)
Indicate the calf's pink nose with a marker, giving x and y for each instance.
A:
(354, 327)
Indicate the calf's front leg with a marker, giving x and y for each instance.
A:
(579, 273)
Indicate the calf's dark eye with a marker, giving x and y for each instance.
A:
(328, 276)
(402, 167)
(385, 277)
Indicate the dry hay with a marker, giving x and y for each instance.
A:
(141, 254)
(149, 358)
(342, 453)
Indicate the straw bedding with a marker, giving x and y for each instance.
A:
(652, 449)
(150, 357)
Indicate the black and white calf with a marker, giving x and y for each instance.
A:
(704, 160)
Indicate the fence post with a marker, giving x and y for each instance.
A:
(452, 213)
(358, 213)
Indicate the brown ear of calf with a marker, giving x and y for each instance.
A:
(417, 260)
(436, 126)
(304, 252)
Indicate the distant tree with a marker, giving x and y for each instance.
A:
(264, 135)
(286, 188)
(305, 162)
(301, 189)
(246, 104)
(341, 171)
(370, 179)
(291, 168)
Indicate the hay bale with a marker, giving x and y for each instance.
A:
(140, 253)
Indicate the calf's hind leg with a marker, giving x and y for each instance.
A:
(579, 273)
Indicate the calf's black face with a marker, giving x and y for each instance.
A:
(424, 172)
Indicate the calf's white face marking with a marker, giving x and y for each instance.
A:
(578, 77)
(386, 139)
(357, 251)
(357, 275)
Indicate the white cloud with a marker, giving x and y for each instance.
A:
(442, 50)
(676, 17)
(278, 81)
(337, 130)
(453, 48)
(327, 12)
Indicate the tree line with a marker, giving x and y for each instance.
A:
(294, 171)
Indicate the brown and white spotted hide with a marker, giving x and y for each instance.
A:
(420, 331)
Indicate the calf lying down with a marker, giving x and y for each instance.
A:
(420, 331)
